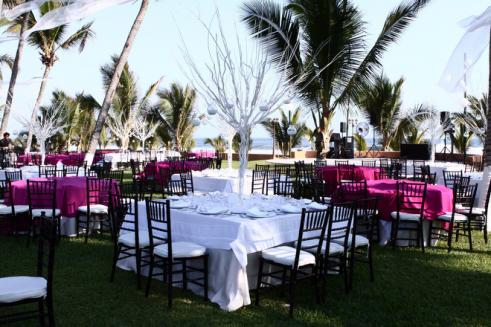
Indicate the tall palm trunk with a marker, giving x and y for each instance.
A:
(13, 75)
(42, 88)
(123, 58)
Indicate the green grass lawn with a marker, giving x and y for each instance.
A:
(410, 289)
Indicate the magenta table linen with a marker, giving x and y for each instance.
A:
(439, 199)
(70, 193)
(330, 173)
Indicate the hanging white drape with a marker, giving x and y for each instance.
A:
(13, 13)
(471, 47)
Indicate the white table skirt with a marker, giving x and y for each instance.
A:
(226, 181)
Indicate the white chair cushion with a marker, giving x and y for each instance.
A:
(13, 289)
(334, 247)
(361, 212)
(180, 250)
(405, 216)
(475, 211)
(128, 239)
(360, 241)
(285, 255)
(457, 218)
(94, 208)
(18, 209)
(47, 212)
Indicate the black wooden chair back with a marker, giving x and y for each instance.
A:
(15, 175)
(259, 178)
(159, 224)
(311, 233)
(450, 177)
(42, 195)
(411, 197)
(350, 191)
(98, 191)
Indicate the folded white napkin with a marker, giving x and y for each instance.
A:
(180, 204)
(290, 208)
(213, 210)
(255, 212)
(317, 206)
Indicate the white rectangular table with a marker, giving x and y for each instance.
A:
(232, 243)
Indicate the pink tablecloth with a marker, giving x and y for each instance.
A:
(70, 193)
(166, 166)
(439, 199)
(330, 176)
(71, 159)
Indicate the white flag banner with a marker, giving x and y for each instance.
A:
(468, 51)
(75, 11)
(13, 13)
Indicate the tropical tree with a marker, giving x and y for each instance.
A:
(381, 103)
(462, 138)
(20, 26)
(127, 106)
(5, 60)
(218, 143)
(475, 117)
(175, 111)
(327, 39)
(49, 43)
(114, 82)
(279, 130)
(361, 143)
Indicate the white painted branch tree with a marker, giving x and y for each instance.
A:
(46, 126)
(144, 130)
(122, 128)
(241, 82)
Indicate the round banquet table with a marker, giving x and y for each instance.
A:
(70, 194)
(157, 168)
(330, 176)
(439, 199)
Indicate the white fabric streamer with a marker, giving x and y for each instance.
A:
(73, 12)
(471, 47)
(11, 14)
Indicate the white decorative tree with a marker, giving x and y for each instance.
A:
(144, 130)
(45, 126)
(122, 128)
(241, 83)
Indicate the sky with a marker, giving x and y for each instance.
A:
(420, 55)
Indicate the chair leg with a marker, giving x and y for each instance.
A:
(259, 279)
(87, 227)
(117, 250)
(450, 236)
(42, 321)
(316, 284)
(351, 262)
(430, 234)
(469, 231)
(395, 232)
(169, 285)
(205, 281)
(51, 314)
(344, 269)
(184, 275)
(421, 236)
(370, 262)
(150, 274)
(457, 233)
(293, 277)
(138, 255)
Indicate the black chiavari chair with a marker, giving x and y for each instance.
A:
(261, 167)
(285, 186)
(48, 171)
(116, 175)
(319, 190)
(258, 181)
(346, 172)
(369, 163)
(96, 211)
(14, 175)
(411, 197)
(41, 199)
(166, 253)
(302, 261)
(24, 290)
(478, 215)
(11, 216)
(71, 170)
(127, 239)
(464, 196)
(349, 191)
(187, 181)
(341, 162)
(451, 176)
(283, 169)
(320, 163)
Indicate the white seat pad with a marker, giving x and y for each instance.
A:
(448, 217)
(405, 216)
(94, 208)
(360, 241)
(475, 211)
(13, 289)
(18, 209)
(128, 239)
(47, 212)
(334, 247)
(285, 255)
(180, 250)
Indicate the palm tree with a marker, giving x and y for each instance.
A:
(218, 143)
(5, 60)
(175, 111)
(361, 143)
(475, 118)
(462, 138)
(21, 25)
(49, 42)
(108, 99)
(327, 41)
(279, 130)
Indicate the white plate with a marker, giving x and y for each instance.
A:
(179, 204)
(212, 211)
(288, 208)
(260, 214)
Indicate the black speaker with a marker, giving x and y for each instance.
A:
(342, 127)
(444, 117)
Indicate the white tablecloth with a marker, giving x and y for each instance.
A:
(224, 180)
(27, 172)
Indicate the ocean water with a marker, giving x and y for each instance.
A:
(265, 145)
